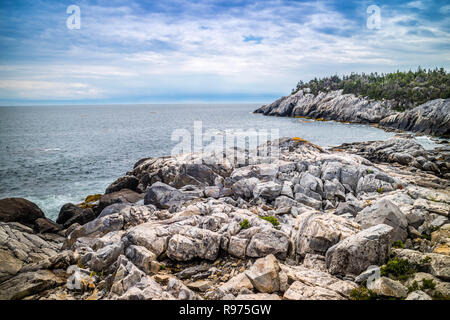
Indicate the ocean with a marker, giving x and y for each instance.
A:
(53, 155)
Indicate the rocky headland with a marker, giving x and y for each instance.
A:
(431, 118)
(361, 221)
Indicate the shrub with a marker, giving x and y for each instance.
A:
(272, 220)
(245, 224)
(398, 244)
(399, 269)
(362, 293)
(413, 287)
(428, 284)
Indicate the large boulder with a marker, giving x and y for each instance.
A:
(29, 283)
(387, 287)
(164, 196)
(19, 210)
(193, 243)
(317, 232)
(126, 182)
(268, 190)
(264, 274)
(122, 196)
(316, 284)
(70, 214)
(301, 291)
(354, 254)
(268, 241)
(384, 212)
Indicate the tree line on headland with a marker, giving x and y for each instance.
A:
(406, 90)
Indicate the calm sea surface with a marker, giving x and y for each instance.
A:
(59, 154)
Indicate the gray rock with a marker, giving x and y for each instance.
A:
(384, 212)
(164, 196)
(387, 287)
(371, 271)
(355, 253)
(264, 274)
(418, 295)
(317, 232)
(29, 283)
(268, 190)
(268, 241)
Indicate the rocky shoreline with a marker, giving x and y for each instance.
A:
(311, 224)
(431, 118)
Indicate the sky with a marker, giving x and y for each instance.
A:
(178, 51)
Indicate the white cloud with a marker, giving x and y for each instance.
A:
(124, 52)
(416, 4)
(30, 90)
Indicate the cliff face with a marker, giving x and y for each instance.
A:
(430, 118)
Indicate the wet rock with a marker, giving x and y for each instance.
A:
(126, 182)
(70, 214)
(44, 225)
(19, 210)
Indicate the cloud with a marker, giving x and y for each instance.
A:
(133, 49)
(416, 4)
(47, 90)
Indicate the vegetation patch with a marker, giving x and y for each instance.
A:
(245, 224)
(398, 244)
(362, 293)
(397, 269)
(274, 221)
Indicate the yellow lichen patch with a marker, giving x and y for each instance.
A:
(93, 198)
(321, 119)
(90, 201)
(300, 139)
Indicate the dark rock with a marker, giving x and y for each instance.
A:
(19, 210)
(43, 225)
(70, 214)
(122, 196)
(126, 182)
